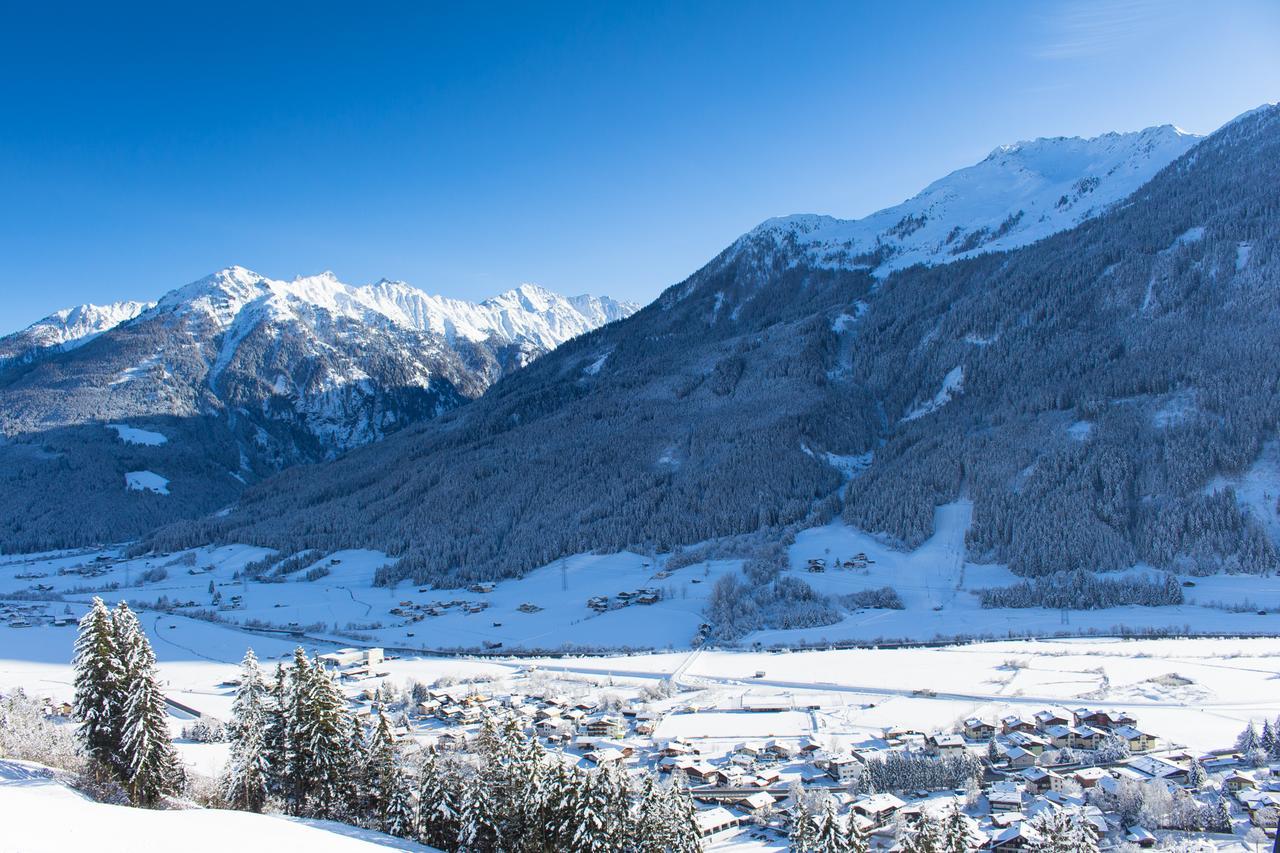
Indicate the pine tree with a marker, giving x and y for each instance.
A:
(98, 685)
(152, 769)
(925, 837)
(478, 830)
(1248, 740)
(855, 840)
(830, 837)
(804, 829)
(398, 818)
(563, 791)
(275, 735)
(379, 772)
(245, 785)
(1220, 817)
(1267, 741)
(956, 832)
(298, 717)
(591, 830)
(1196, 777)
(437, 805)
(323, 739)
(652, 831)
(682, 816)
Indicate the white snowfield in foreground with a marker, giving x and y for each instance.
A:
(38, 814)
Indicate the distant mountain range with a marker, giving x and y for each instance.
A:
(246, 375)
(1078, 335)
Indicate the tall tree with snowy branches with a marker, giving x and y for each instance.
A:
(99, 679)
(246, 782)
(152, 768)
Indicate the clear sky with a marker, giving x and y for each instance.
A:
(603, 147)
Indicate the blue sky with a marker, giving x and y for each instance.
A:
(610, 148)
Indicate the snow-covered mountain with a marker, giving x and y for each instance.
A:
(239, 375)
(68, 328)
(1019, 194)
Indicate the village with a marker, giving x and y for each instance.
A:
(1135, 787)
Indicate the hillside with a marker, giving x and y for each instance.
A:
(42, 813)
(1086, 391)
(235, 377)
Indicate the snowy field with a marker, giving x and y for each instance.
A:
(41, 815)
(935, 581)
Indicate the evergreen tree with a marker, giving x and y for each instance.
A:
(298, 713)
(152, 769)
(1267, 740)
(830, 836)
(479, 830)
(398, 818)
(323, 740)
(651, 818)
(437, 805)
(855, 839)
(591, 817)
(803, 835)
(275, 735)
(379, 772)
(98, 684)
(1220, 817)
(1196, 777)
(246, 783)
(957, 834)
(1248, 740)
(682, 817)
(925, 837)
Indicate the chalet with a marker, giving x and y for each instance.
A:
(946, 744)
(1138, 740)
(1060, 737)
(601, 757)
(1019, 836)
(976, 729)
(757, 803)
(703, 772)
(1020, 758)
(1037, 780)
(1237, 782)
(606, 726)
(778, 750)
(1005, 797)
(1032, 743)
(1086, 737)
(1014, 723)
(1047, 719)
(878, 808)
(1140, 836)
(1087, 777)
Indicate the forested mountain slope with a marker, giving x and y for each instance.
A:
(1084, 390)
(232, 378)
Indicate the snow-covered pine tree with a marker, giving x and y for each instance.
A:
(830, 837)
(925, 837)
(1248, 739)
(957, 835)
(275, 735)
(398, 819)
(1267, 740)
(478, 822)
(1220, 817)
(803, 834)
(652, 830)
(98, 685)
(324, 740)
(531, 787)
(437, 805)
(152, 768)
(591, 830)
(352, 790)
(298, 712)
(563, 788)
(245, 784)
(1061, 832)
(686, 835)
(378, 772)
(855, 839)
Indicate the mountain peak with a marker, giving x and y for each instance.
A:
(1019, 193)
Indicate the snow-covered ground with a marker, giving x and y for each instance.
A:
(935, 581)
(39, 813)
